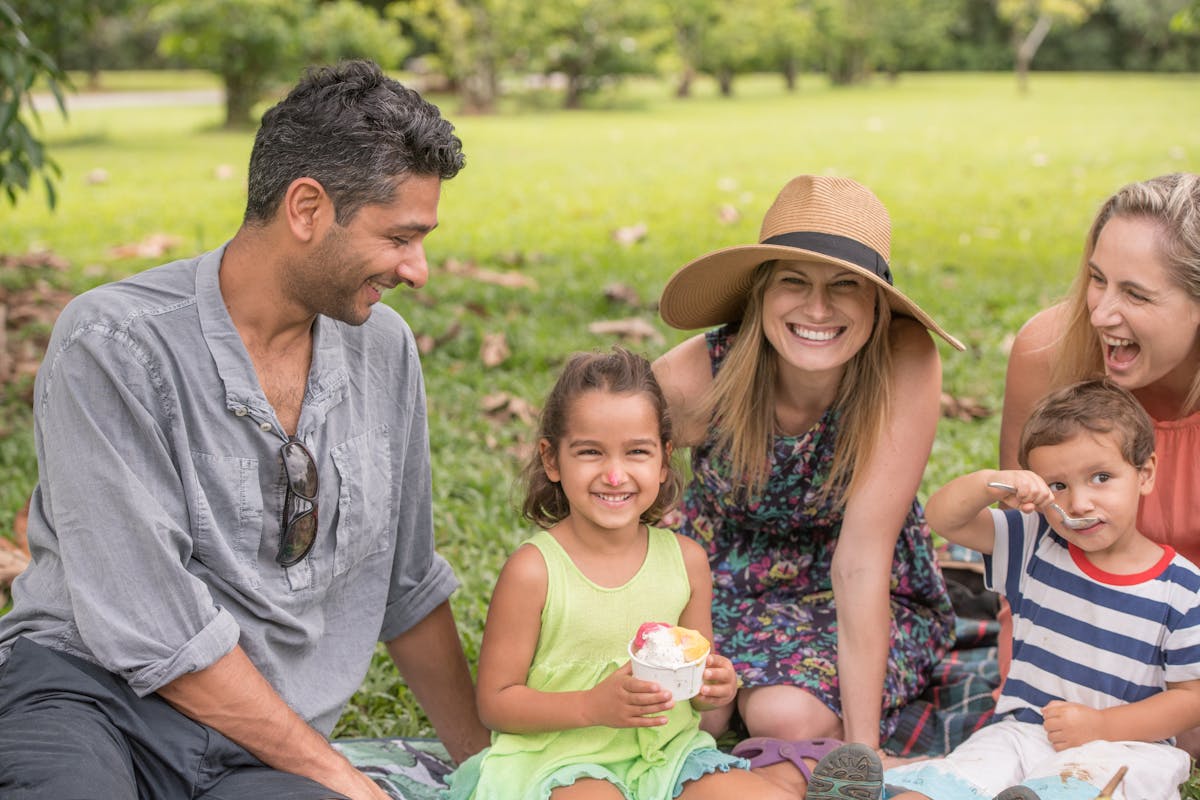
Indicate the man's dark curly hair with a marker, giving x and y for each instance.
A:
(355, 131)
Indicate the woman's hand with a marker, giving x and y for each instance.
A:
(720, 684)
(623, 701)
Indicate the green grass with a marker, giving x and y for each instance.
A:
(990, 193)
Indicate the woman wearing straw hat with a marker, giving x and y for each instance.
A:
(811, 413)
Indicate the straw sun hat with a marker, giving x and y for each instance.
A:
(814, 218)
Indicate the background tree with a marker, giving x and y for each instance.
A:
(690, 21)
(592, 42)
(1033, 19)
(787, 37)
(348, 29)
(1187, 20)
(912, 34)
(249, 44)
(22, 65)
(252, 44)
(472, 40)
(732, 42)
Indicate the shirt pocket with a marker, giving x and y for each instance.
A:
(229, 517)
(365, 491)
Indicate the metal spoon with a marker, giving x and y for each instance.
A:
(1074, 523)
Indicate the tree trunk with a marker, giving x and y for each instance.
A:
(725, 81)
(791, 73)
(1028, 48)
(574, 96)
(684, 88)
(241, 93)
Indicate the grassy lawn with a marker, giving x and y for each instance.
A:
(990, 193)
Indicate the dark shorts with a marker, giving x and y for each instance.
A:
(71, 730)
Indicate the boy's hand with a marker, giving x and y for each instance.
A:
(720, 684)
(1029, 491)
(623, 701)
(1071, 724)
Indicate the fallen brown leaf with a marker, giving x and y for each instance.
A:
(156, 245)
(965, 409)
(633, 328)
(631, 234)
(503, 407)
(622, 293)
(494, 350)
(509, 280)
(426, 343)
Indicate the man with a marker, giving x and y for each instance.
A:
(234, 493)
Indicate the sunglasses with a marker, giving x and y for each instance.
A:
(299, 504)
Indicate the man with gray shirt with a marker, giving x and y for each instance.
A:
(234, 497)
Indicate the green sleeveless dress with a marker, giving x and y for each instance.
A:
(584, 637)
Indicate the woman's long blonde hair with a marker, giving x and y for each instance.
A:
(741, 399)
(1172, 202)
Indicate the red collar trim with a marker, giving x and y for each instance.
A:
(1114, 579)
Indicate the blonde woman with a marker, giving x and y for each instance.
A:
(1133, 314)
(811, 413)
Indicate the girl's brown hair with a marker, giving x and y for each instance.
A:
(618, 372)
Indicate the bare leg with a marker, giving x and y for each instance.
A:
(737, 783)
(587, 789)
(787, 712)
(716, 721)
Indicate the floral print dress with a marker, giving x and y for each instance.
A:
(773, 606)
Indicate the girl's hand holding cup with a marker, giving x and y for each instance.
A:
(623, 701)
(720, 684)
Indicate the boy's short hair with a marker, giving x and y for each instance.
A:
(1097, 406)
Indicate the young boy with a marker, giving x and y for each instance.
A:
(1106, 655)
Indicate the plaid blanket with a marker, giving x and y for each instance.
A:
(956, 703)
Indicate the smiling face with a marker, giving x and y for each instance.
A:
(1090, 477)
(1148, 325)
(382, 246)
(817, 316)
(610, 460)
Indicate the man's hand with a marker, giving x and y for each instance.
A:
(355, 785)
(1071, 724)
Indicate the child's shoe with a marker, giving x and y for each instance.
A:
(1018, 793)
(851, 772)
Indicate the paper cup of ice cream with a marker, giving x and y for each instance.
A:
(671, 656)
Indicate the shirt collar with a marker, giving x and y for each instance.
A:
(327, 375)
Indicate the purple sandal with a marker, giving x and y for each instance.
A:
(763, 751)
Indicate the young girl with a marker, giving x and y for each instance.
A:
(555, 683)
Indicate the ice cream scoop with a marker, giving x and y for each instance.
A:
(671, 656)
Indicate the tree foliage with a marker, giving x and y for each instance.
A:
(1032, 21)
(23, 156)
(473, 41)
(252, 44)
(590, 42)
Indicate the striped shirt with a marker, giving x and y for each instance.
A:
(1084, 635)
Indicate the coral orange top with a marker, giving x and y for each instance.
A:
(1170, 514)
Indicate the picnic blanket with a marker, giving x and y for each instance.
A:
(957, 702)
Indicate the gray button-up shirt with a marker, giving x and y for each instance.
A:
(157, 516)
